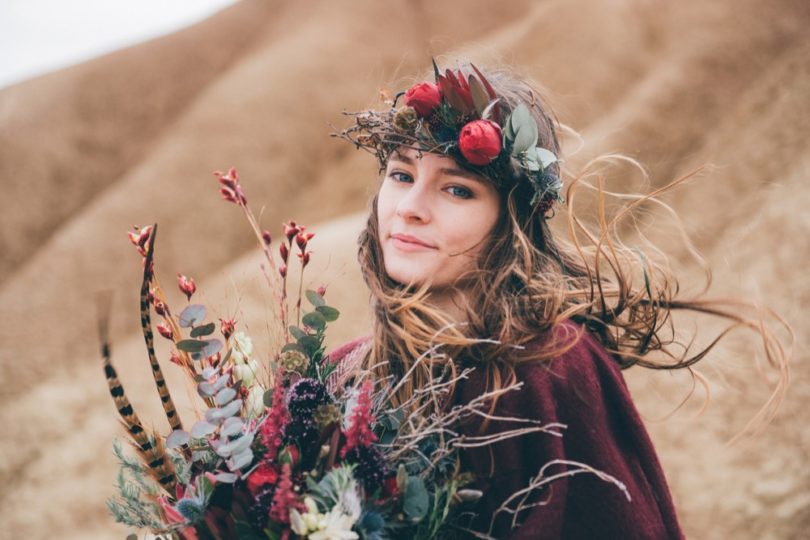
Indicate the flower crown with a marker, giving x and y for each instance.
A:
(461, 115)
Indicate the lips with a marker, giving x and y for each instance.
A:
(407, 240)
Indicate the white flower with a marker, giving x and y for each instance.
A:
(254, 403)
(334, 525)
(246, 372)
(241, 348)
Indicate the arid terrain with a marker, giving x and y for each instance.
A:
(132, 137)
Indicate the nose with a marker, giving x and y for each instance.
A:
(414, 205)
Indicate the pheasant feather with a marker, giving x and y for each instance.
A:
(150, 449)
(146, 324)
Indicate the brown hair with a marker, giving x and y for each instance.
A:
(528, 282)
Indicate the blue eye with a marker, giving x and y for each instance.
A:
(460, 192)
(395, 175)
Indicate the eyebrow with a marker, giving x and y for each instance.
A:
(454, 171)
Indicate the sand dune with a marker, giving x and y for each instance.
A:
(132, 138)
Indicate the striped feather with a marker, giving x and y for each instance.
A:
(146, 325)
(153, 455)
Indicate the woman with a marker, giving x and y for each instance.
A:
(458, 251)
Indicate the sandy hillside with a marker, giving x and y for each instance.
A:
(132, 138)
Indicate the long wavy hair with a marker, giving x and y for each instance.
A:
(527, 281)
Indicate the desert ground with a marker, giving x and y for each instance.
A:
(132, 137)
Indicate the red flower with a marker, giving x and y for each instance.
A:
(359, 432)
(290, 230)
(423, 97)
(284, 498)
(165, 331)
(187, 285)
(263, 475)
(226, 326)
(480, 141)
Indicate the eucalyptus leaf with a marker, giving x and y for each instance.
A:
(315, 299)
(191, 345)
(545, 156)
(296, 332)
(231, 426)
(416, 501)
(177, 438)
(203, 330)
(235, 446)
(525, 138)
(202, 428)
(206, 389)
(329, 313)
(220, 383)
(193, 314)
(240, 460)
(310, 344)
(212, 347)
(209, 372)
(231, 408)
(267, 398)
(224, 396)
(314, 320)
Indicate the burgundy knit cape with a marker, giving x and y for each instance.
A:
(583, 389)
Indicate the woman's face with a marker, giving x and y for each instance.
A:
(433, 217)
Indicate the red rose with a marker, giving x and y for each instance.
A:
(423, 97)
(264, 474)
(480, 141)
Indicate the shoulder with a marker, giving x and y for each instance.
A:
(582, 366)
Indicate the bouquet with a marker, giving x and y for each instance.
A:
(299, 448)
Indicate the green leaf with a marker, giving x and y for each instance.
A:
(191, 315)
(546, 157)
(314, 320)
(416, 499)
(524, 128)
(296, 332)
(329, 313)
(203, 330)
(311, 344)
(191, 345)
(315, 299)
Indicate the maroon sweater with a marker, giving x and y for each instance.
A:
(583, 389)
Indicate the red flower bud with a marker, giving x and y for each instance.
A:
(140, 237)
(266, 238)
(322, 290)
(231, 190)
(310, 235)
(480, 141)
(187, 285)
(165, 331)
(160, 307)
(301, 241)
(228, 195)
(283, 270)
(227, 326)
(175, 358)
(424, 98)
(290, 230)
(284, 252)
(304, 258)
